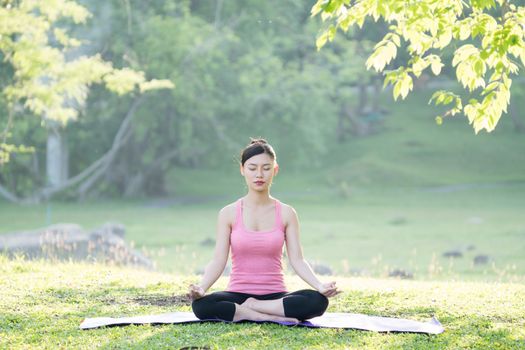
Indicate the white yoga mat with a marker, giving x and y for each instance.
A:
(327, 320)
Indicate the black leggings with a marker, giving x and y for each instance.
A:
(302, 304)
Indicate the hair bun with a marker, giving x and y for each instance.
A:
(258, 141)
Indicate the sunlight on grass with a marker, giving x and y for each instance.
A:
(44, 303)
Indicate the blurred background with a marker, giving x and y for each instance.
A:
(381, 189)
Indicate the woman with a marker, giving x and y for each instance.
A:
(256, 227)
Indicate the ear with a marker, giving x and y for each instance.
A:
(241, 169)
(276, 169)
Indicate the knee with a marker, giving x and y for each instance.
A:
(318, 303)
(200, 309)
(310, 304)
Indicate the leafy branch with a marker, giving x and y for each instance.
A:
(484, 64)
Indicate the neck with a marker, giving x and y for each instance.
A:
(258, 198)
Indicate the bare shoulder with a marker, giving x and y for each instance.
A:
(288, 213)
(227, 213)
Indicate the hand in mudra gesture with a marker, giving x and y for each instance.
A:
(195, 292)
(328, 289)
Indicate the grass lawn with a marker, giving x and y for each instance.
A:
(43, 304)
(370, 233)
(396, 200)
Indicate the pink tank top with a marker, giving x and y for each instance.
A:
(256, 256)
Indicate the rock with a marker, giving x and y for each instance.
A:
(401, 274)
(481, 259)
(208, 242)
(400, 220)
(70, 241)
(115, 228)
(34, 243)
(453, 254)
(359, 272)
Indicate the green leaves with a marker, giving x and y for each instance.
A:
(327, 35)
(428, 27)
(442, 97)
(384, 52)
(471, 67)
(6, 150)
(46, 82)
(401, 81)
(43, 80)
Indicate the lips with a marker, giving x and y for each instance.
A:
(259, 183)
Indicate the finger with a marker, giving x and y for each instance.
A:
(333, 292)
(328, 293)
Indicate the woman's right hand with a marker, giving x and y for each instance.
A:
(196, 292)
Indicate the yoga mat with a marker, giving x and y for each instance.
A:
(327, 320)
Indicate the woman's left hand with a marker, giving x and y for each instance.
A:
(328, 289)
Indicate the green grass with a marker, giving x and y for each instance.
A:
(373, 230)
(43, 304)
(398, 199)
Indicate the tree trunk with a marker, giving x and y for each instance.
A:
(519, 126)
(359, 127)
(56, 156)
(376, 85)
(362, 89)
(341, 132)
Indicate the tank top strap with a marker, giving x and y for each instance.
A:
(278, 215)
(238, 213)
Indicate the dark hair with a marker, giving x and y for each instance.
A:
(255, 147)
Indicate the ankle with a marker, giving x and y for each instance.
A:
(250, 302)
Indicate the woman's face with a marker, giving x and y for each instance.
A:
(258, 171)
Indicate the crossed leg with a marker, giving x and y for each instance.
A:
(244, 312)
(283, 307)
(271, 307)
(299, 305)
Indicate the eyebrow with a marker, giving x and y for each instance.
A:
(258, 164)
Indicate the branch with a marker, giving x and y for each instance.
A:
(120, 138)
(96, 165)
(10, 196)
(218, 9)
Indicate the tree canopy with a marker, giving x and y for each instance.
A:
(49, 75)
(488, 37)
(241, 69)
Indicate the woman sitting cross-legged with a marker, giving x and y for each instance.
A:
(255, 228)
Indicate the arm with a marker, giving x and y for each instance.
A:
(216, 266)
(297, 261)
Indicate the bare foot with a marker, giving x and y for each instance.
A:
(243, 312)
(249, 302)
(283, 319)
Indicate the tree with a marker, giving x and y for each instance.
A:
(489, 34)
(47, 78)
